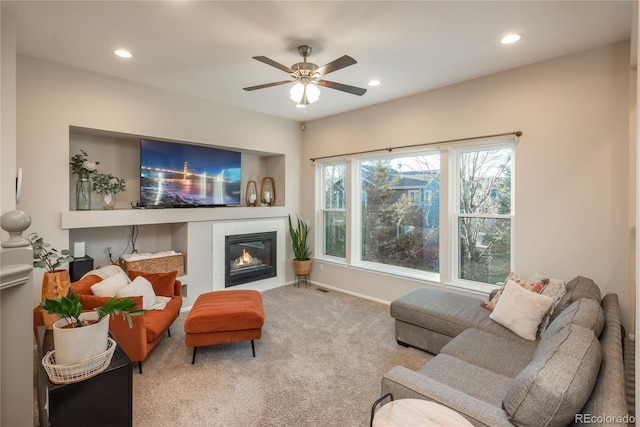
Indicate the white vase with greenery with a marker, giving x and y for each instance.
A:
(83, 168)
(108, 186)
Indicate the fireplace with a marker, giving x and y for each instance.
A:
(249, 257)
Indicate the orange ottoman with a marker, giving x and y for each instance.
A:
(223, 317)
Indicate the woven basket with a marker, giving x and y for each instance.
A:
(164, 264)
(76, 372)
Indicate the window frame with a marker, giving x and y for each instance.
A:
(356, 223)
(320, 246)
(448, 213)
(454, 214)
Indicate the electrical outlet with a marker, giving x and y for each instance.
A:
(321, 267)
(109, 250)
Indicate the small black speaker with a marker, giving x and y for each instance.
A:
(79, 267)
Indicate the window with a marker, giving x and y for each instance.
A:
(395, 209)
(484, 214)
(334, 214)
(397, 229)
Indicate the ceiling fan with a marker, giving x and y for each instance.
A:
(307, 77)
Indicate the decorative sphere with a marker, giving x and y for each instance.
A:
(15, 221)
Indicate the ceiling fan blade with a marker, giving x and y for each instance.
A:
(273, 64)
(283, 82)
(345, 88)
(343, 61)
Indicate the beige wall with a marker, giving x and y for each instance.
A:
(572, 181)
(51, 97)
(572, 169)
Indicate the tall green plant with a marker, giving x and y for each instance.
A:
(301, 250)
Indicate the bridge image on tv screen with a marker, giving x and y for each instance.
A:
(176, 174)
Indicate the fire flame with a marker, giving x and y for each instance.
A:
(245, 260)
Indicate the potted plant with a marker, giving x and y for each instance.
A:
(108, 185)
(81, 335)
(301, 251)
(55, 282)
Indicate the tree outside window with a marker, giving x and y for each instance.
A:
(485, 214)
(334, 215)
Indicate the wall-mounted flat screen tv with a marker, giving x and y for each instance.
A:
(176, 174)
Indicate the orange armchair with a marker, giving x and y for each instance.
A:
(147, 329)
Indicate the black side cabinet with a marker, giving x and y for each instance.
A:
(104, 400)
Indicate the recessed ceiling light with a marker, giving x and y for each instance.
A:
(510, 38)
(122, 53)
(374, 82)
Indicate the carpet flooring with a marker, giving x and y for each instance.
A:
(319, 362)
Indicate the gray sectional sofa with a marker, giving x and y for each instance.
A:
(572, 375)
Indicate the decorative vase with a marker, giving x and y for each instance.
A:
(55, 284)
(268, 192)
(302, 268)
(109, 201)
(251, 194)
(83, 194)
(73, 345)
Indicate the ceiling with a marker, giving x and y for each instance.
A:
(205, 48)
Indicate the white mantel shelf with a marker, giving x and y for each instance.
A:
(124, 217)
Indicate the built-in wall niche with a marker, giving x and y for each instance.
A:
(119, 154)
(148, 238)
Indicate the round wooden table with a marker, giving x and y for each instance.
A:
(417, 412)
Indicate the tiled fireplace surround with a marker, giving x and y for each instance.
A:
(221, 229)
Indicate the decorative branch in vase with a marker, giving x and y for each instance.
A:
(81, 166)
(108, 185)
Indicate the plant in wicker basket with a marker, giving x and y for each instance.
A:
(70, 309)
(80, 336)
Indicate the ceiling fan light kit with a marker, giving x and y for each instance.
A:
(307, 77)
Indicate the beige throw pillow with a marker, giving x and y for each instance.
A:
(521, 310)
(140, 286)
(110, 286)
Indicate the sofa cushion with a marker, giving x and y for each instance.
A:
(157, 322)
(470, 379)
(578, 287)
(163, 283)
(521, 310)
(497, 354)
(83, 286)
(89, 302)
(584, 312)
(558, 381)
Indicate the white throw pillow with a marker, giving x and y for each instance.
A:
(109, 287)
(139, 287)
(106, 272)
(521, 310)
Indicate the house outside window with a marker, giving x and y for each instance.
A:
(415, 196)
(396, 230)
(392, 220)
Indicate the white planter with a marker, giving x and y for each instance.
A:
(73, 345)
